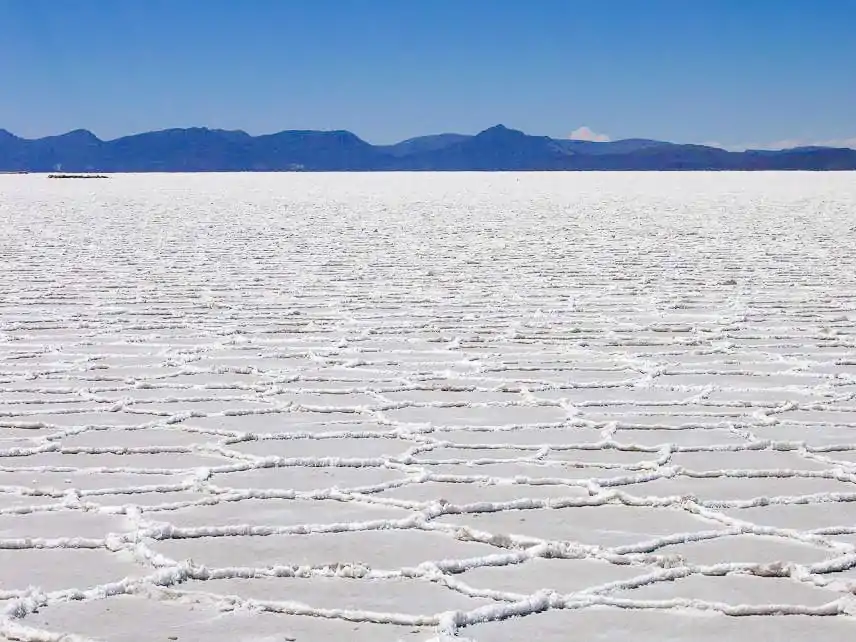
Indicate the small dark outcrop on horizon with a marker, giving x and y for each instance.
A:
(497, 148)
(77, 176)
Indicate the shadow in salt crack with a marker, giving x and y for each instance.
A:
(61, 524)
(352, 400)
(735, 590)
(85, 480)
(134, 438)
(811, 435)
(477, 415)
(801, 517)
(465, 397)
(442, 453)
(663, 420)
(59, 569)
(608, 525)
(614, 395)
(565, 378)
(821, 417)
(747, 549)
(117, 461)
(474, 492)
(306, 478)
(386, 549)
(743, 381)
(640, 625)
(766, 396)
(339, 447)
(560, 575)
(277, 512)
(548, 470)
(231, 381)
(604, 457)
(82, 419)
(749, 460)
(564, 435)
(73, 404)
(180, 407)
(711, 489)
(413, 597)
(144, 501)
(164, 393)
(283, 422)
(11, 501)
(700, 437)
(136, 619)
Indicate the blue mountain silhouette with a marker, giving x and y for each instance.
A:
(200, 149)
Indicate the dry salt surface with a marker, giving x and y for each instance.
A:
(422, 407)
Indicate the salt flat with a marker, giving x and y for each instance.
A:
(427, 406)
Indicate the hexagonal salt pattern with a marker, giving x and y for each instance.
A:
(371, 407)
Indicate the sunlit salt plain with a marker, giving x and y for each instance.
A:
(420, 406)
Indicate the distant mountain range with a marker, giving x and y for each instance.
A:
(494, 149)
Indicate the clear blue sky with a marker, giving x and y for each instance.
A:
(731, 71)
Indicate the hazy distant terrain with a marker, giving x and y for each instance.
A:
(497, 148)
(409, 407)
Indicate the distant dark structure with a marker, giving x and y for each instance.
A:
(77, 176)
(495, 149)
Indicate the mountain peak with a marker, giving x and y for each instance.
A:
(501, 132)
(80, 135)
(500, 129)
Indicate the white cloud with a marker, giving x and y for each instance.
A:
(585, 133)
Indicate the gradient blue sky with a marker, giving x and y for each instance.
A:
(735, 72)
